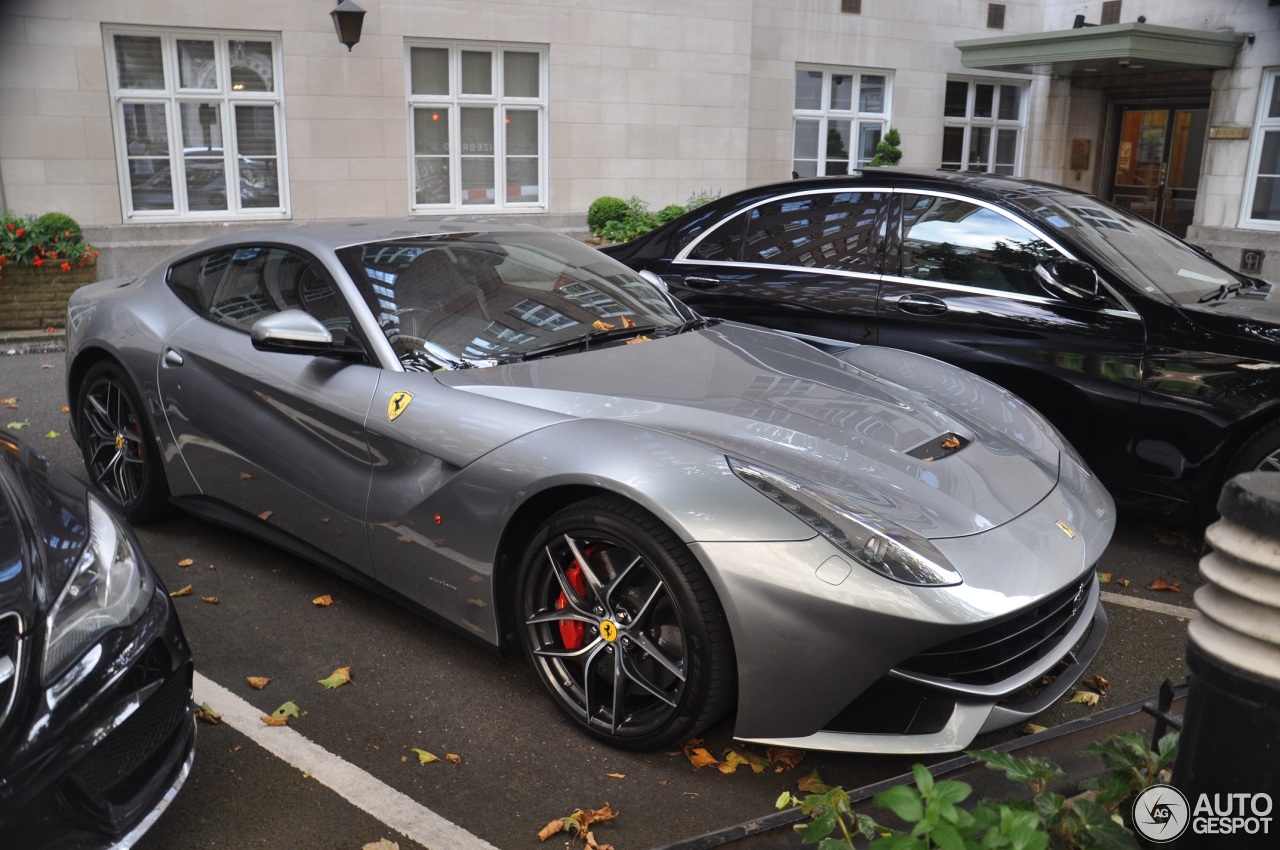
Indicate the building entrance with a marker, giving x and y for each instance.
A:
(1157, 162)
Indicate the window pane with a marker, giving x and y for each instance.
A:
(1006, 151)
(477, 72)
(431, 156)
(203, 162)
(1010, 103)
(806, 141)
(520, 74)
(431, 131)
(954, 241)
(957, 103)
(138, 62)
(838, 147)
(429, 70)
(201, 129)
(1273, 111)
(522, 179)
(871, 97)
(146, 137)
(1266, 192)
(478, 182)
(196, 68)
(522, 132)
(952, 148)
(808, 89)
(983, 97)
(868, 138)
(979, 148)
(431, 176)
(256, 130)
(251, 68)
(256, 160)
(830, 230)
(841, 91)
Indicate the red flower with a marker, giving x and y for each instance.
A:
(95, 255)
(66, 267)
(38, 261)
(21, 230)
(9, 224)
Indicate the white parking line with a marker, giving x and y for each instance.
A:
(1148, 605)
(375, 797)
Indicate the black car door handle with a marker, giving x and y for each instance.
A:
(922, 305)
(701, 282)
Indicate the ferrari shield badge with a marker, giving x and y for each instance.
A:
(398, 404)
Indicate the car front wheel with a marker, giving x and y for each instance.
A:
(622, 626)
(117, 444)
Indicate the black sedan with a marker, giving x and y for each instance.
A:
(1160, 364)
(96, 724)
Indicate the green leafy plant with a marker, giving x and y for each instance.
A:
(604, 210)
(934, 817)
(53, 240)
(887, 150)
(616, 220)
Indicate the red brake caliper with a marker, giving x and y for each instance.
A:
(572, 631)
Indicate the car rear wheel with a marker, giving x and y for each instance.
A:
(622, 626)
(117, 444)
(1261, 453)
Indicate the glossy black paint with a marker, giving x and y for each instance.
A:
(1164, 397)
(81, 764)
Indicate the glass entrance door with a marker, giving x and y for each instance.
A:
(1157, 166)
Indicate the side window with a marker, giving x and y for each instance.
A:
(238, 286)
(953, 241)
(828, 230)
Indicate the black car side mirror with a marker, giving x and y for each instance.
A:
(1069, 279)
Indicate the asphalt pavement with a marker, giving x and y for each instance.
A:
(347, 774)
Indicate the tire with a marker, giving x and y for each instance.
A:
(633, 646)
(118, 445)
(1261, 453)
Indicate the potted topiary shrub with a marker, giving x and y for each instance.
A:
(42, 261)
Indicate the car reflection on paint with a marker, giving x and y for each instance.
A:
(672, 518)
(96, 725)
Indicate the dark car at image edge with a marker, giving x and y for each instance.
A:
(97, 727)
(1158, 363)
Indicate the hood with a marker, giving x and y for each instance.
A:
(1253, 319)
(43, 528)
(771, 399)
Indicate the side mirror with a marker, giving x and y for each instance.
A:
(292, 332)
(1069, 279)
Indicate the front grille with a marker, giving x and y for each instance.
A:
(1003, 649)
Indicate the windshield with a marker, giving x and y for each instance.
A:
(478, 299)
(1154, 260)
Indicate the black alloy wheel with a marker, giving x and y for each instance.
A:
(622, 626)
(117, 444)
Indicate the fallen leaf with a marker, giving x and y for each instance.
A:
(275, 721)
(617, 775)
(11, 402)
(553, 828)
(17, 426)
(601, 325)
(64, 409)
(1100, 683)
(208, 715)
(247, 476)
(324, 520)
(784, 759)
(47, 365)
(733, 758)
(281, 715)
(577, 822)
(322, 601)
(699, 755)
(1088, 698)
(212, 600)
(453, 758)
(265, 515)
(425, 757)
(628, 322)
(258, 682)
(381, 844)
(337, 678)
(1032, 729)
(186, 562)
(182, 591)
(53, 435)
(1123, 582)
(951, 443)
(1161, 584)
(1104, 578)
(636, 339)
(812, 784)
(403, 539)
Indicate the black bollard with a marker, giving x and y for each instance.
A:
(1228, 767)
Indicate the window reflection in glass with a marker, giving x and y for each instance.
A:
(808, 89)
(196, 68)
(830, 230)
(138, 62)
(429, 70)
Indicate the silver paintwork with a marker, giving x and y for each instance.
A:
(423, 504)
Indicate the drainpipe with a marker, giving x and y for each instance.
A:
(1230, 742)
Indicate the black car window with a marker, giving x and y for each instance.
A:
(238, 286)
(954, 241)
(825, 230)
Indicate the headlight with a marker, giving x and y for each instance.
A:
(876, 543)
(107, 589)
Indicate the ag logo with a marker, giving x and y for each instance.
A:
(1161, 813)
(398, 404)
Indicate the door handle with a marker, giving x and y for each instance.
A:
(701, 282)
(922, 305)
(172, 358)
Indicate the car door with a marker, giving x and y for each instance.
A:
(279, 435)
(806, 264)
(960, 285)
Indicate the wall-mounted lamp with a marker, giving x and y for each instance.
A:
(348, 18)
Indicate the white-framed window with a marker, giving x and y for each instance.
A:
(840, 115)
(984, 125)
(477, 126)
(198, 123)
(1262, 192)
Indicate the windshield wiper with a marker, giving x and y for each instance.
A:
(1250, 288)
(1218, 294)
(582, 342)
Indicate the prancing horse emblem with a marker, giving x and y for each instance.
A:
(1066, 529)
(399, 404)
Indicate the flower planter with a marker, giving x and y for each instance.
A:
(33, 298)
